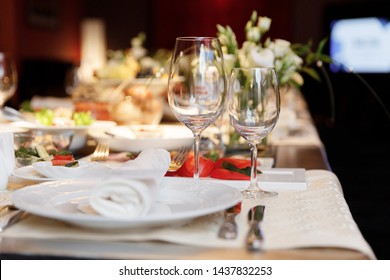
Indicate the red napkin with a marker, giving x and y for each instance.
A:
(231, 169)
(223, 168)
(206, 165)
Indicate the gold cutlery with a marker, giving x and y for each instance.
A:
(101, 152)
(228, 229)
(179, 158)
(255, 239)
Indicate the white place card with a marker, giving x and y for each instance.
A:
(276, 179)
(271, 179)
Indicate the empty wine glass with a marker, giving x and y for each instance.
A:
(8, 78)
(254, 106)
(197, 85)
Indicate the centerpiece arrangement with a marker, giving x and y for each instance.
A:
(290, 60)
(128, 88)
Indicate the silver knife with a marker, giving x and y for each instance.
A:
(255, 239)
(228, 229)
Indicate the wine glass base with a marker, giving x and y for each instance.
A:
(250, 194)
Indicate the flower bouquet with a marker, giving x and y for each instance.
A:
(290, 60)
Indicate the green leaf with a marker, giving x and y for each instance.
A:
(312, 73)
(325, 58)
(220, 28)
(26, 152)
(310, 58)
(230, 166)
(26, 106)
(132, 155)
(72, 164)
(60, 152)
(254, 17)
(213, 155)
(321, 46)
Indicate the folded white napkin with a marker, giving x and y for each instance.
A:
(7, 158)
(129, 191)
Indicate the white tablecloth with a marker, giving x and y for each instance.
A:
(316, 217)
(295, 125)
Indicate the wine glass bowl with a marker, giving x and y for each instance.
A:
(198, 99)
(8, 78)
(254, 106)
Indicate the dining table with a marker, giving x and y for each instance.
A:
(310, 223)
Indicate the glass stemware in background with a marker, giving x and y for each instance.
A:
(198, 98)
(254, 106)
(8, 78)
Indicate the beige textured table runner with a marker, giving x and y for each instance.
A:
(316, 217)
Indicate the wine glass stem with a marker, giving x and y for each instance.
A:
(196, 155)
(253, 149)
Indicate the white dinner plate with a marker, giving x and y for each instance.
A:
(131, 139)
(62, 200)
(79, 131)
(47, 169)
(29, 173)
(58, 129)
(47, 128)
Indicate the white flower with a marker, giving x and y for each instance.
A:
(253, 34)
(136, 42)
(230, 60)
(228, 39)
(264, 24)
(243, 53)
(248, 26)
(280, 47)
(138, 52)
(223, 39)
(257, 51)
(261, 57)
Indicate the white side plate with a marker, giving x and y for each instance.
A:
(125, 139)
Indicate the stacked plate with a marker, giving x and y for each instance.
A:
(135, 138)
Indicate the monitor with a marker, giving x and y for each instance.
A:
(360, 44)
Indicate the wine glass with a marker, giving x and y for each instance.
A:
(8, 78)
(197, 86)
(254, 106)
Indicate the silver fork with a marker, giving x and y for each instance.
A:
(179, 158)
(101, 152)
